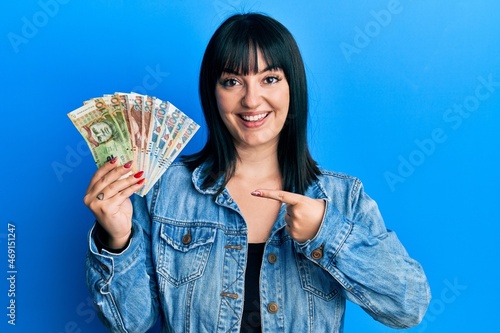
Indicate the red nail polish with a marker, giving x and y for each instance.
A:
(113, 160)
(139, 174)
(140, 182)
(256, 193)
(128, 165)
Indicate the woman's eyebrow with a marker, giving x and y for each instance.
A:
(230, 71)
(235, 72)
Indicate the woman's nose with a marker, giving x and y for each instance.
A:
(252, 96)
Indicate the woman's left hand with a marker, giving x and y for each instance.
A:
(303, 214)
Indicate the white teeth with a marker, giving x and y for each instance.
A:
(254, 118)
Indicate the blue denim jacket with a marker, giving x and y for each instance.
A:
(187, 257)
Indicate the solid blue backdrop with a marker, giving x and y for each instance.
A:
(404, 95)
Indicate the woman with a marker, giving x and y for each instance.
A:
(249, 234)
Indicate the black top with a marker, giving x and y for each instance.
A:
(250, 322)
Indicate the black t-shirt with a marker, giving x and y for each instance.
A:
(250, 322)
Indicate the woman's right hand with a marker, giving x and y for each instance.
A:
(108, 197)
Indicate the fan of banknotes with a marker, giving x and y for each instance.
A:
(134, 127)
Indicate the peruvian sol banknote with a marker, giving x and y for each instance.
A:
(134, 127)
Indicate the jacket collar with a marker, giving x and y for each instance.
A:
(316, 190)
(199, 176)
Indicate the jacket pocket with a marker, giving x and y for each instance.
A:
(315, 279)
(184, 252)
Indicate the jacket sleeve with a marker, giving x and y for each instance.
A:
(369, 262)
(123, 285)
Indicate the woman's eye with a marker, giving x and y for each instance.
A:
(272, 79)
(229, 82)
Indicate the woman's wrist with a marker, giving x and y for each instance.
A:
(119, 243)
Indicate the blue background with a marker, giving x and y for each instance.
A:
(387, 80)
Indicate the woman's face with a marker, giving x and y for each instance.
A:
(253, 107)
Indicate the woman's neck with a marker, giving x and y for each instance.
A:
(257, 163)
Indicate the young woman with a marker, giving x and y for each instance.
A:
(249, 234)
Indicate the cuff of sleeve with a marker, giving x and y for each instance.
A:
(331, 236)
(107, 262)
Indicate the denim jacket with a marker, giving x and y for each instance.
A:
(186, 264)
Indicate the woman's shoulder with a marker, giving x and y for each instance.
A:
(176, 177)
(339, 182)
(179, 174)
(337, 176)
(177, 170)
(179, 166)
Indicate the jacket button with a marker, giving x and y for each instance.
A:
(272, 307)
(104, 268)
(317, 254)
(186, 239)
(272, 258)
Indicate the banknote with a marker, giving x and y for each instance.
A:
(159, 112)
(102, 134)
(168, 136)
(135, 117)
(177, 145)
(112, 105)
(134, 127)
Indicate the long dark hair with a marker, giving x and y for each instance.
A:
(235, 45)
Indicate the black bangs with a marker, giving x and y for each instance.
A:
(238, 51)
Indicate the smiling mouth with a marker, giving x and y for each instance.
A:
(254, 118)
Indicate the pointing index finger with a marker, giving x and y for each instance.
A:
(278, 195)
